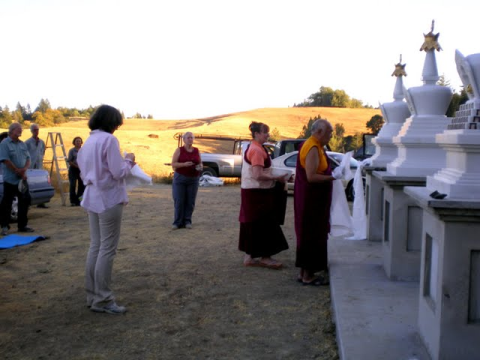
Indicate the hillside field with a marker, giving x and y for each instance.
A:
(153, 152)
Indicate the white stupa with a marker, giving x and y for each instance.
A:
(394, 113)
(418, 153)
(460, 178)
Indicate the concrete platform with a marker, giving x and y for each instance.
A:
(376, 318)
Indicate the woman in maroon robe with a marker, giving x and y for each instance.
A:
(263, 204)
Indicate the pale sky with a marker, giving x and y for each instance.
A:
(178, 59)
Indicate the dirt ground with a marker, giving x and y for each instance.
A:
(187, 293)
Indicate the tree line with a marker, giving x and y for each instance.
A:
(45, 115)
(327, 97)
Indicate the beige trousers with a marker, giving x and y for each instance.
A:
(104, 237)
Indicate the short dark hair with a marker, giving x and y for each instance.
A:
(75, 138)
(258, 127)
(105, 118)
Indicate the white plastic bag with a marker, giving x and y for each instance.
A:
(340, 219)
(208, 180)
(137, 178)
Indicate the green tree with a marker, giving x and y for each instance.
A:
(57, 116)
(457, 100)
(340, 99)
(89, 111)
(328, 97)
(336, 144)
(6, 116)
(338, 141)
(339, 130)
(307, 128)
(42, 119)
(27, 114)
(322, 98)
(357, 141)
(356, 104)
(375, 124)
(275, 135)
(18, 113)
(43, 106)
(48, 118)
(442, 81)
(353, 142)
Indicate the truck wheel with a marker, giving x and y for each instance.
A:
(14, 211)
(349, 191)
(209, 171)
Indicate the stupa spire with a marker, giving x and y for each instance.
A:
(431, 40)
(430, 44)
(399, 72)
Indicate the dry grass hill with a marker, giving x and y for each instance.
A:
(140, 136)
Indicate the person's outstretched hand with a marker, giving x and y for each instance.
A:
(130, 157)
(284, 178)
(338, 173)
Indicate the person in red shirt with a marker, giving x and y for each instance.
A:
(187, 164)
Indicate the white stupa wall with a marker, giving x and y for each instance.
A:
(460, 178)
(394, 114)
(418, 152)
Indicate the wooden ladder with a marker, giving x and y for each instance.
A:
(59, 159)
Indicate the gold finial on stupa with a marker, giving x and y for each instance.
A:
(400, 69)
(431, 40)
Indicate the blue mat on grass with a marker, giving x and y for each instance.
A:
(13, 240)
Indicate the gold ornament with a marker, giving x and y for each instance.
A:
(400, 69)
(431, 41)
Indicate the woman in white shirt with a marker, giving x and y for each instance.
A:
(103, 171)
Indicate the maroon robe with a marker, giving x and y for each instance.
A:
(262, 211)
(312, 219)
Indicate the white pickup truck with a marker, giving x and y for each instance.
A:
(230, 165)
(225, 165)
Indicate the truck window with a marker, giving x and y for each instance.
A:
(270, 149)
(289, 147)
(238, 148)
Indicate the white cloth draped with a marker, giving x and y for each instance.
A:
(359, 217)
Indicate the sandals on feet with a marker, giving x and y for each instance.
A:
(318, 281)
(251, 262)
(271, 264)
(267, 263)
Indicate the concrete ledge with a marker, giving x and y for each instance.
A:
(422, 196)
(375, 318)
